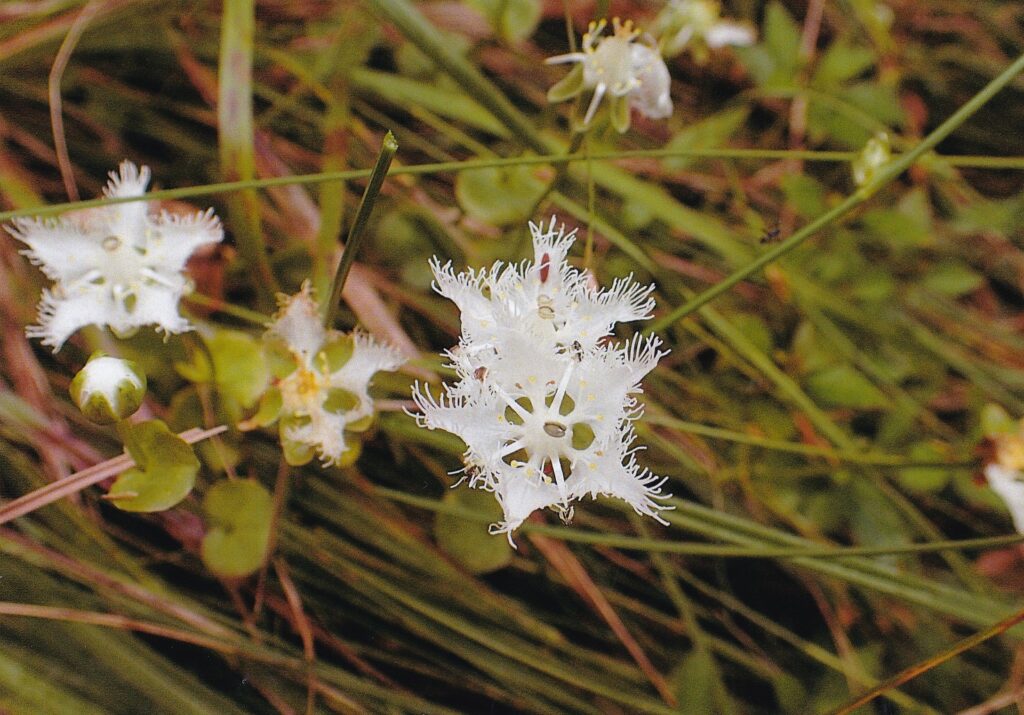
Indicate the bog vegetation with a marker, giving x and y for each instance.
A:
(511, 356)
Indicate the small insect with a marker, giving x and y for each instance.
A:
(480, 373)
(545, 267)
(771, 235)
(577, 351)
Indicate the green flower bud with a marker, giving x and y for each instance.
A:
(108, 389)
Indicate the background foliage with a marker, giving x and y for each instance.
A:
(831, 401)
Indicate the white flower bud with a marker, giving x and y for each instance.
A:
(108, 389)
(875, 154)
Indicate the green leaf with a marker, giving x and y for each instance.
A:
(843, 386)
(449, 103)
(782, 41)
(239, 515)
(165, 470)
(811, 354)
(514, 20)
(952, 277)
(756, 331)
(709, 133)
(501, 196)
(840, 63)
(925, 479)
(874, 522)
(995, 421)
(239, 367)
(693, 683)
(874, 285)
(467, 540)
(896, 229)
(805, 194)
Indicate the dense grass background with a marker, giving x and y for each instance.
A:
(816, 421)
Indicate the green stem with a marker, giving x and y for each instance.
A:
(886, 174)
(187, 192)
(358, 230)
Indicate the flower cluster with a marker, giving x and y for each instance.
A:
(322, 376)
(544, 401)
(118, 266)
(631, 72)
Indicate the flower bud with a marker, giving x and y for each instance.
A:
(108, 389)
(875, 154)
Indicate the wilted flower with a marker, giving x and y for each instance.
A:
(631, 72)
(322, 379)
(698, 23)
(543, 401)
(118, 266)
(108, 389)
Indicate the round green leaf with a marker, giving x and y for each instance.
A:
(843, 386)
(239, 367)
(467, 540)
(165, 470)
(238, 514)
(501, 195)
(925, 479)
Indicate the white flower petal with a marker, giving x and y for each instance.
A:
(608, 475)
(730, 33)
(62, 249)
(1009, 485)
(519, 497)
(298, 323)
(651, 96)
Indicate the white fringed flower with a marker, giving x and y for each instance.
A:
(118, 266)
(548, 299)
(323, 386)
(543, 401)
(631, 73)
(685, 23)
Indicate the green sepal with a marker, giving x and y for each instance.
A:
(165, 468)
(279, 357)
(267, 413)
(567, 87)
(239, 515)
(103, 408)
(295, 453)
(351, 454)
(620, 114)
(337, 351)
(339, 400)
(360, 425)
